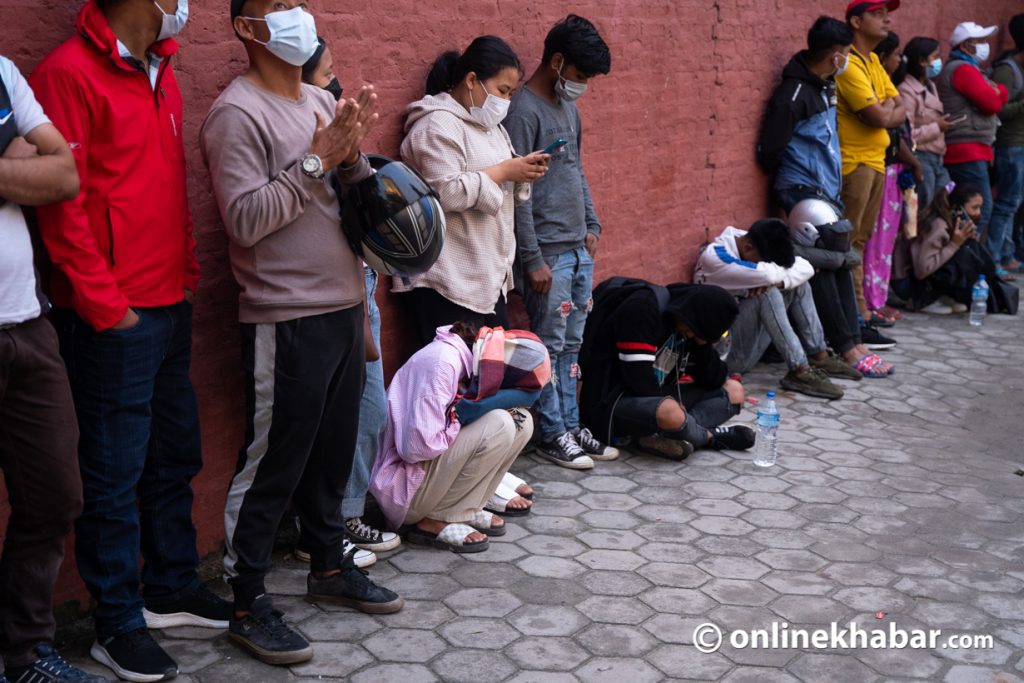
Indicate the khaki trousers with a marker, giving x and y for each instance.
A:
(862, 195)
(459, 481)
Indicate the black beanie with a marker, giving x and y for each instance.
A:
(709, 311)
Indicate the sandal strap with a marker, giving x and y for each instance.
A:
(482, 520)
(455, 534)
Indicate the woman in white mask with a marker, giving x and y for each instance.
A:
(455, 139)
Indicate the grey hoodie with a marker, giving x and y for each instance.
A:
(450, 149)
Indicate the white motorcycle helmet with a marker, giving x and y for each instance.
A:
(815, 219)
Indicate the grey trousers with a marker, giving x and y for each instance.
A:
(787, 319)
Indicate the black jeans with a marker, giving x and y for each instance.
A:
(304, 384)
(38, 439)
(139, 450)
(705, 410)
(430, 310)
(837, 308)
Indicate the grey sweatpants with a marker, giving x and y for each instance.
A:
(787, 319)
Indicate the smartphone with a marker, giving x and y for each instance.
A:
(555, 146)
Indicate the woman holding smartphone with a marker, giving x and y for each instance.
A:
(454, 138)
(947, 256)
(928, 119)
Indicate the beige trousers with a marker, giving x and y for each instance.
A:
(459, 481)
(862, 196)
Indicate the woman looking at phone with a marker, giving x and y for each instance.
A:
(455, 139)
(947, 256)
(928, 119)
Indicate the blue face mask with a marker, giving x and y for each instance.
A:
(935, 68)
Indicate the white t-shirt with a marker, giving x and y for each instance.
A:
(18, 300)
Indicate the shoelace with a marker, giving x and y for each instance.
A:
(567, 442)
(56, 666)
(272, 623)
(360, 528)
(587, 441)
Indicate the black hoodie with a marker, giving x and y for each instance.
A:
(621, 356)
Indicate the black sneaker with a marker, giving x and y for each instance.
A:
(366, 537)
(663, 447)
(734, 438)
(267, 637)
(135, 656)
(564, 451)
(353, 588)
(875, 340)
(593, 447)
(49, 668)
(201, 608)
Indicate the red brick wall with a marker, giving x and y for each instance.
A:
(669, 134)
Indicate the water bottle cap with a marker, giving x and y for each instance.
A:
(771, 394)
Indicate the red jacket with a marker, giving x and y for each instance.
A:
(126, 240)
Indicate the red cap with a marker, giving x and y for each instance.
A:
(860, 6)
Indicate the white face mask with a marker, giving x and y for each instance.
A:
(570, 91)
(840, 70)
(172, 24)
(935, 68)
(982, 51)
(492, 113)
(292, 35)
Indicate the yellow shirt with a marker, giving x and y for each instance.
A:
(864, 83)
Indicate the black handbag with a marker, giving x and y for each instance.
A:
(1003, 296)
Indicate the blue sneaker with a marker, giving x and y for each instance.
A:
(49, 668)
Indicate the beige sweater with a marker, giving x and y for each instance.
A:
(931, 250)
(286, 247)
(450, 149)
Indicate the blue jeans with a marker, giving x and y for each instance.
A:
(138, 452)
(936, 177)
(975, 173)
(372, 416)
(1009, 195)
(558, 318)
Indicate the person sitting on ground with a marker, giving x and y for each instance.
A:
(651, 371)
(433, 471)
(947, 256)
(821, 237)
(770, 281)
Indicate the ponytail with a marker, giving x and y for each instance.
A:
(486, 57)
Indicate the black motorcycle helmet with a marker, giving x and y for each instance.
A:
(393, 219)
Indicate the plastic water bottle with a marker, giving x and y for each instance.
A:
(766, 450)
(979, 302)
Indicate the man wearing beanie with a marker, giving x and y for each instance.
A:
(652, 372)
(1009, 73)
(271, 143)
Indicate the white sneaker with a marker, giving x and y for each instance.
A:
(362, 558)
(368, 538)
(937, 308)
(597, 450)
(954, 304)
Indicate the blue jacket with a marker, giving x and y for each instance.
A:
(799, 139)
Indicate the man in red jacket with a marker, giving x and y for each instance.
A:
(123, 285)
(973, 101)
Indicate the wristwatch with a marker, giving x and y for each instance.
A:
(312, 166)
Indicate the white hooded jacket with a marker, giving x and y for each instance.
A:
(720, 264)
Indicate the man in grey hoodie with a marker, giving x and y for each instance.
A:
(557, 230)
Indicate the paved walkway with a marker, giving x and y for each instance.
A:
(897, 505)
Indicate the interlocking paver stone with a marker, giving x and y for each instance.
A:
(895, 506)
